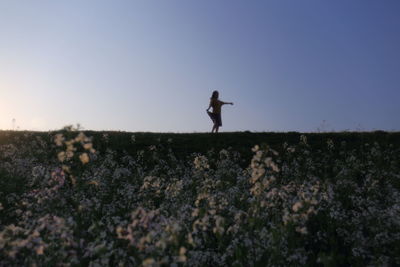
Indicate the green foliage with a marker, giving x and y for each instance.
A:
(114, 198)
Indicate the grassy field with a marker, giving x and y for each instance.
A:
(239, 199)
(184, 144)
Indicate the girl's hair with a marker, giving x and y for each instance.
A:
(215, 95)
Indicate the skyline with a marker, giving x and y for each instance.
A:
(152, 66)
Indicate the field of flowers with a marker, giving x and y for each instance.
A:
(78, 199)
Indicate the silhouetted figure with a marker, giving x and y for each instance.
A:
(215, 115)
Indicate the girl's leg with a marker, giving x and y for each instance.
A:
(218, 122)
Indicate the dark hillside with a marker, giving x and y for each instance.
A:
(185, 144)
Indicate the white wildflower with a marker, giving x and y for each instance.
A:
(59, 139)
(302, 230)
(149, 262)
(298, 205)
(182, 256)
(303, 139)
(84, 158)
(61, 156)
(201, 163)
(330, 144)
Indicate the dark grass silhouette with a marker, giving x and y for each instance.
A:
(185, 144)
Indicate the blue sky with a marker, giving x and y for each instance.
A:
(152, 65)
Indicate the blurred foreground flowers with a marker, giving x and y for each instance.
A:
(64, 203)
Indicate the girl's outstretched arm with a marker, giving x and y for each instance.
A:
(227, 103)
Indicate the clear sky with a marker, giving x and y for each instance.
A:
(147, 65)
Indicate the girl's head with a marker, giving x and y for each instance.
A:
(215, 95)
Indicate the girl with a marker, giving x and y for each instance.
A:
(215, 115)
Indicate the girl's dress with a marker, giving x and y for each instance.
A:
(215, 115)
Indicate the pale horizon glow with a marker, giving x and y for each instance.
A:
(152, 65)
